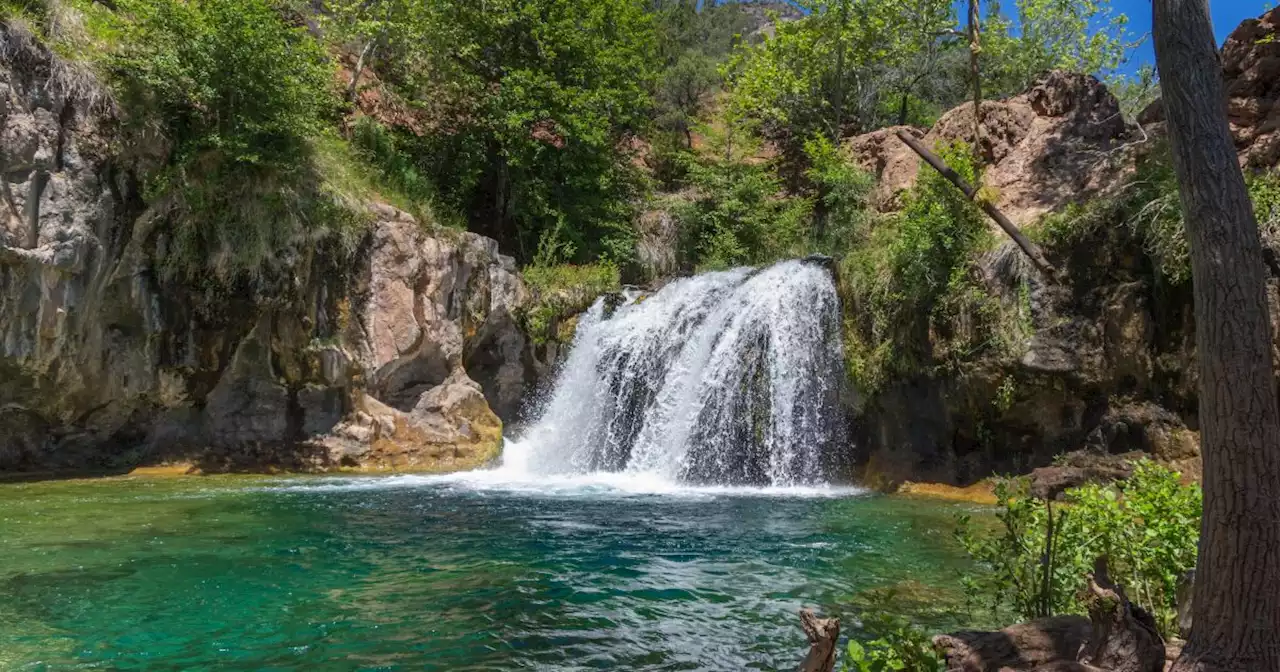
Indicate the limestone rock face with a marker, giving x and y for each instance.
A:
(404, 355)
(1043, 148)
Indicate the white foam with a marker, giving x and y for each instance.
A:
(512, 478)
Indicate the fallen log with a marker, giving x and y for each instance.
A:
(1022, 647)
(1118, 636)
(823, 634)
(1029, 248)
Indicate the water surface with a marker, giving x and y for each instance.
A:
(438, 573)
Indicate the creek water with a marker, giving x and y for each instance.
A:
(471, 572)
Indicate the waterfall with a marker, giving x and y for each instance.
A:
(726, 378)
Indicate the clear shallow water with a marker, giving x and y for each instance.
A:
(472, 572)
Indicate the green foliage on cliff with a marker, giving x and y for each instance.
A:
(737, 218)
(241, 97)
(914, 301)
(560, 293)
(1146, 525)
(1147, 204)
(1075, 35)
(224, 76)
(524, 112)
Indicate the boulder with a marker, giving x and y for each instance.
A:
(1078, 468)
(1044, 148)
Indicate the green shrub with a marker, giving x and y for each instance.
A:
(1147, 525)
(898, 646)
(402, 181)
(842, 204)
(912, 296)
(740, 217)
(229, 76)
(561, 292)
(1264, 191)
(242, 97)
(1146, 204)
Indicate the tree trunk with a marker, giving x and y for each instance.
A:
(355, 74)
(1236, 605)
(975, 71)
(1125, 638)
(823, 634)
(836, 132)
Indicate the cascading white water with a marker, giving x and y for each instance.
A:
(727, 378)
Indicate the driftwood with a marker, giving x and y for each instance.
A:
(1025, 646)
(1125, 638)
(822, 634)
(1029, 248)
(1119, 636)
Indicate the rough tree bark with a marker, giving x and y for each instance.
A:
(1029, 248)
(1236, 606)
(823, 634)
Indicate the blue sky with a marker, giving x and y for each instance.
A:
(1227, 14)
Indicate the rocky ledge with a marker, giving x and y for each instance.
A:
(406, 354)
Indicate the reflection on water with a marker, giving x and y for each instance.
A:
(462, 573)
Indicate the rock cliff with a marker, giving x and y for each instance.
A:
(1251, 70)
(402, 354)
(1108, 366)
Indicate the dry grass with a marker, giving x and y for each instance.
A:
(69, 77)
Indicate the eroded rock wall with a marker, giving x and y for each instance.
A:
(403, 355)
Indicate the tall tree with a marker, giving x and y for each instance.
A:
(1076, 35)
(1236, 606)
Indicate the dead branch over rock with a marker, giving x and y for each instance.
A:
(1029, 248)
